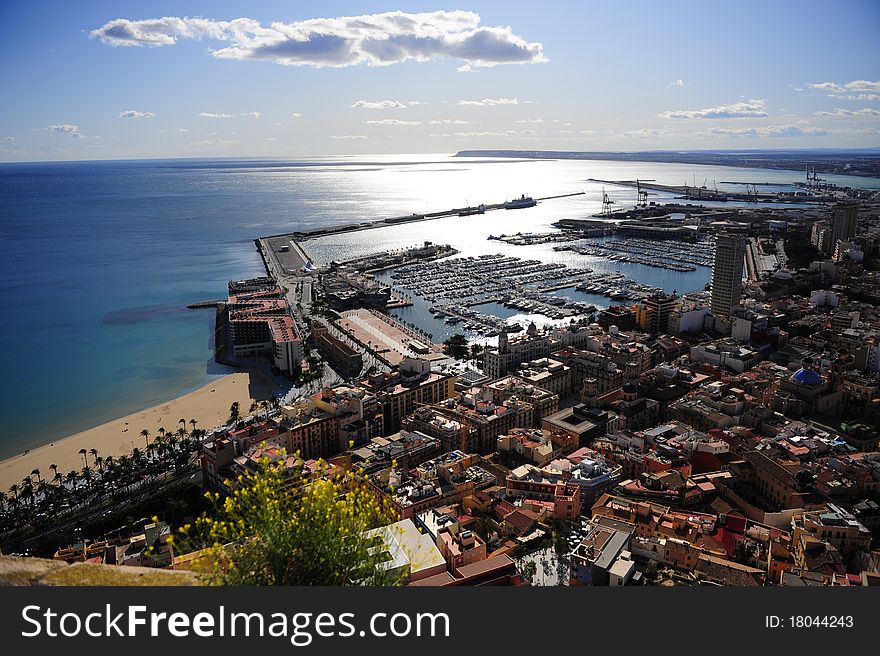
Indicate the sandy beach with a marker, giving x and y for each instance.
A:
(209, 406)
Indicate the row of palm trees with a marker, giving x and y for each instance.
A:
(38, 497)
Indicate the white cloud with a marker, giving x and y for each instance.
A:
(447, 121)
(850, 113)
(66, 128)
(347, 137)
(531, 120)
(488, 133)
(183, 129)
(213, 142)
(384, 104)
(214, 115)
(392, 121)
(644, 133)
(296, 115)
(676, 83)
(847, 87)
(372, 39)
(489, 102)
(8, 140)
(250, 114)
(788, 130)
(864, 90)
(741, 109)
(133, 113)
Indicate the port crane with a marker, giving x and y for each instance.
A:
(606, 204)
(641, 194)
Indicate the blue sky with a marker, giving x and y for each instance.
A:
(281, 79)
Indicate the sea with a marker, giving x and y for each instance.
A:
(100, 259)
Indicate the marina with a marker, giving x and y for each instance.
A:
(456, 288)
(680, 256)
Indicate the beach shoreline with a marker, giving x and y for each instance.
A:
(209, 406)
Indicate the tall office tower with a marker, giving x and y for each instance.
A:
(727, 272)
(843, 222)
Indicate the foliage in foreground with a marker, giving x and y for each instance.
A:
(279, 528)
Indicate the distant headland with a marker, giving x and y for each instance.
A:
(861, 162)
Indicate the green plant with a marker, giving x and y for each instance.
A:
(286, 527)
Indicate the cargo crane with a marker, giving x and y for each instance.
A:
(606, 204)
(642, 194)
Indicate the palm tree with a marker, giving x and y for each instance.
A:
(94, 454)
(36, 472)
(54, 469)
(146, 435)
(27, 490)
(71, 477)
(14, 489)
(162, 431)
(83, 453)
(99, 461)
(192, 424)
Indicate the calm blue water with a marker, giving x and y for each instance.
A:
(101, 258)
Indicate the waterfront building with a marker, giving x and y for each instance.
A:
(727, 271)
(510, 353)
(260, 323)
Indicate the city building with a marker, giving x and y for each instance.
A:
(727, 272)
(594, 558)
(260, 323)
(413, 385)
(844, 223)
(510, 353)
(658, 308)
